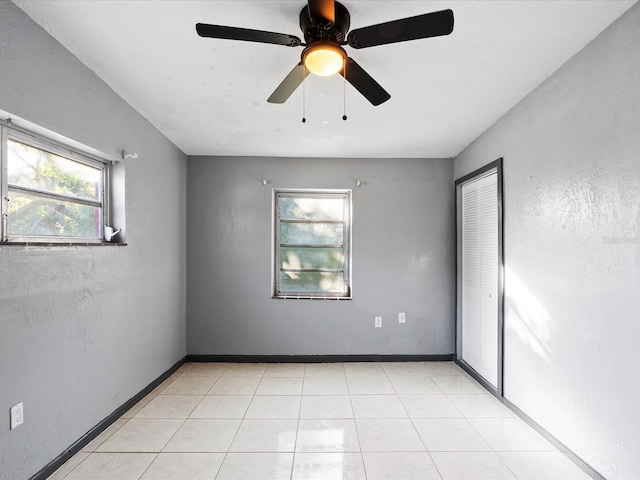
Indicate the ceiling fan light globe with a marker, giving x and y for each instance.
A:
(323, 60)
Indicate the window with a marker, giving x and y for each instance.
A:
(312, 244)
(49, 192)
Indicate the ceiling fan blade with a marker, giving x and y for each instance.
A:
(364, 83)
(246, 34)
(413, 28)
(289, 84)
(322, 11)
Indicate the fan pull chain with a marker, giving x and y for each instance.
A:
(304, 96)
(344, 91)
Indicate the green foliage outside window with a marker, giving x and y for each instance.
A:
(33, 211)
(312, 238)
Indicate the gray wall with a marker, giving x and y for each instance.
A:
(403, 258)
(84, 329)
(572, 248)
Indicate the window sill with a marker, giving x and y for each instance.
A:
(62, 244)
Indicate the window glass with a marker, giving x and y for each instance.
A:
(39, 169)
(312, 244)
(30, 215)
(311, 233)
(311, 282)
(308, 208)
(49, 194)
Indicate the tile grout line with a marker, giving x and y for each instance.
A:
(69, 472)
(226, 454)
(174, 434)
(413, 424)
(295, 441)
(364, 466)
(495, 453)
(149, 466)
(359, 376)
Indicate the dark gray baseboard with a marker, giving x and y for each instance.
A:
(61, 459)
(472, 373)
(554, 441)
(318, 358)
(532, 423)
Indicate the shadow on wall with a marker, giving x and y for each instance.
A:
(526, 316)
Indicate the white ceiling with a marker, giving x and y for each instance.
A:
(208, 96)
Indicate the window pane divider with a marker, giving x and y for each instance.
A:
(308, 245)
(339, 222)
(312, 270)
(55, 196)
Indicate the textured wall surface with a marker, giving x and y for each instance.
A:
(572, 248)
(403, 259)
(84, 329)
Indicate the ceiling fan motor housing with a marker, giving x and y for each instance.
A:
(331, 31)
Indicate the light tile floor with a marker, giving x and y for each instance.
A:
(352, 421)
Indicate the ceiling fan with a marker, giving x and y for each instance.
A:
(325, 24)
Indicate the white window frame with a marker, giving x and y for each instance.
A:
(347, 227)
(11, 132)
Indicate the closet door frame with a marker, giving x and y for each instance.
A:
(483, 171)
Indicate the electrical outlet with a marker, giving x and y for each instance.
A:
(378, 323)
(17, 415)
(402, 318)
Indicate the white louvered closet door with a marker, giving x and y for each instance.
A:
(480, 276)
